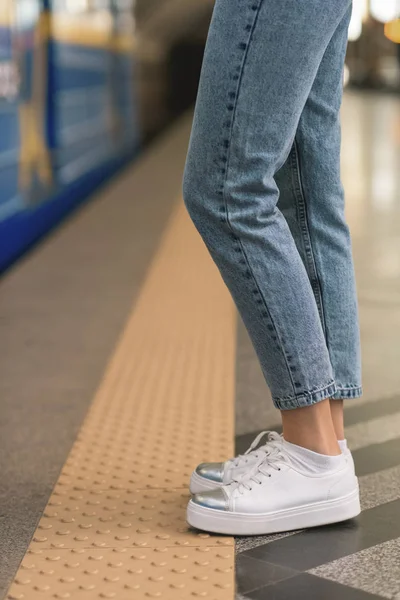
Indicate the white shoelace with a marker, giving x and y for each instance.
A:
(272, 460)
(259, 452)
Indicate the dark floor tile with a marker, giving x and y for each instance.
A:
(252, 573)
(315, 547)
(377, 457)
(309, 587)
(372, 410)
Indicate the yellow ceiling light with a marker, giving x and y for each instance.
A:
(392, 31)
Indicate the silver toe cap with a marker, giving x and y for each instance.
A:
(216, 499)
(211, 471)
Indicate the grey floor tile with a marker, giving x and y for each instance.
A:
(309, 587)
(379, 488)
(315, 547)
(375, 570)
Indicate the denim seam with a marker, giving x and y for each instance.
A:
(348, 392)
(256, 8)
(349, 387)
(302, 212)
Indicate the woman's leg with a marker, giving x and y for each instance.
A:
(260, 64)
(312, 201)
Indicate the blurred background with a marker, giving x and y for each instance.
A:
(86, 84)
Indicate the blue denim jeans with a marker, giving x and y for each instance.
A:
(262, 185)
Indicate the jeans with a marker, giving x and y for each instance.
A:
(262, 185)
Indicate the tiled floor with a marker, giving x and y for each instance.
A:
(361, 559)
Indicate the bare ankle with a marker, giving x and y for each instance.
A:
(337, 414)
(311, 427)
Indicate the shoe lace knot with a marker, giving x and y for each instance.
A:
(265, 467)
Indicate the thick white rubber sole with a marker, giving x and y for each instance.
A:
(312, 515)
(200, 484)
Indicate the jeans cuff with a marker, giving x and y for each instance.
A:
(345, 392)
(306, 398)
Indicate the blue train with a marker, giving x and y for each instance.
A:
(68, 115)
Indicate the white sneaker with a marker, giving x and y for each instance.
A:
(208, 476)
(276, 495)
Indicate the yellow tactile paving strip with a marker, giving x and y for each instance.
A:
(115, 524)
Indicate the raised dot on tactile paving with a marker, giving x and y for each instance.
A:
(129, 586)
(46, 572)
(87, 588)
(62, 595)
(99, 544)
(67, 579)
(40, 538)
(108, 594)
(22, 581)
(135, 571)
(42, 588)
(15, 596)
(179, 571)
